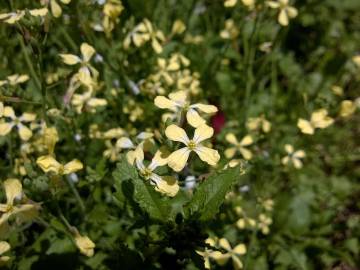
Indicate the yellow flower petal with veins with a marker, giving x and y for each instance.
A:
(164, 103)
(168, 186)
(177, 134)
(13, 188)
(202, 133)
(177, 160)
(210, 156)
(194, 119)
(48, 164)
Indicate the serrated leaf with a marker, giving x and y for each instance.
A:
(211, 194)
(132, 187)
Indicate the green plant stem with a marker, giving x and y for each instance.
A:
(29, 62)
(77, 195)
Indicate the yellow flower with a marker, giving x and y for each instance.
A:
(347, 108)
(24, 132)
(244, 222)
(177, 103)
(233, 253)
(144, 32)
(230, 31)
(167, 185)
(85, 100)
(112, 10)
(86, 73)
(286, 11)
(177, 160)
(56, 8)
(319, 119)
(239, 146)
(12, 17)
(264, 223)
(230, 3)
(13, 190)
(50, 164)
(4, 247)
(85, 245)
(50, 137)
(249, 3)
(207, 254)
(178, 27)
(15, 79)
(257, 123)
(293, 156)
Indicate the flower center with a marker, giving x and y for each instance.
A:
(146, 173)
(191, 145)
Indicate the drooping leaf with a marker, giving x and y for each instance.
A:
(211, 193)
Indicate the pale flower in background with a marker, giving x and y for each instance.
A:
(12, 17)
(231, 31)
(293, 156)
(263, 223)
(286, 11)
(257, 123)
(239, 146)
(319, 119)
(233, 253)
(85, 245)
(177, 102)
(50, 164)
(25, 133)
(15, 79)
(347, 108)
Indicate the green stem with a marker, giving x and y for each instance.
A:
(76, 194)
(29, 62)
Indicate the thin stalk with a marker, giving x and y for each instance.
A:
(76, 194)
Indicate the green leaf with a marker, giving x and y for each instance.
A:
(211, 194)
(133, 188)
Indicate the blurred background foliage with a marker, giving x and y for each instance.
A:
(283, 73)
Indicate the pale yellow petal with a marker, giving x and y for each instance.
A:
(305, 126)
(240, 249)
(87, 51)
(178, 27)
(292, 12)
(283, 18)
(230, 3)
(231, 138)
(194, 119)
(13, 189)
(289, 148)
(205, 108)
(39, 12)
(247, 140)
(220, 258)
(224, 243)
(285, 160)
(230, 152)
(28, 117)
(347, 108)
(156, 46)
(167, 185)
(55, 8)
(297, 163)
(5, 128)
(97, 102)
(73, 166)
(273, 4)
(48, 164)
(9, 112)
(164, 103)
(202, 133)
(177, 160)
(237, 264)
(70, 59)
(245, 153)
(24, 132)
(65, 1)
(4, 247)
(177, 134)
(210, 156)
(299, 154)
(85, 245)
(179, 97)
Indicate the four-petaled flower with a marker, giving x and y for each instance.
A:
(13, 190)
(24, 132)
(293, 156)
(50, 164)
(286, 11)
(238, 146)
(319, 119)
(177, 160)
(233, 253)
(177, 103)
(165, 184)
